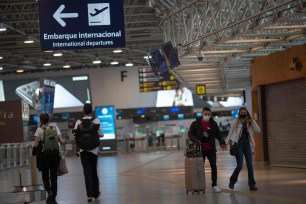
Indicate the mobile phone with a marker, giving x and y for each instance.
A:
(32, 93)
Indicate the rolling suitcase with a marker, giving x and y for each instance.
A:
(194, 169)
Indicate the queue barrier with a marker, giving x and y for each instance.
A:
(15, 154)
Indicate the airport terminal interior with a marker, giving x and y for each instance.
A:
(148, 68)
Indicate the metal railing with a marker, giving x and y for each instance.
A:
(15, 154)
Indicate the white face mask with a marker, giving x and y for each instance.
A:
(206, 117)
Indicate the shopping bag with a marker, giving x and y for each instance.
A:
(62, 167)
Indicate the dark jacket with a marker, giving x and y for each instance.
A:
(196, 133)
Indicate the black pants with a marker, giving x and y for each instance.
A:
(89, 162)
(49, 171)
(212, 158)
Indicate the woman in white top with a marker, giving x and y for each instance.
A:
(241, 132)
(50, 158)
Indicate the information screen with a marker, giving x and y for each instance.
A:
(148, 81)
(106, 115)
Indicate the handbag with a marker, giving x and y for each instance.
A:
(234, 149)
(193, 150)
(62, 167)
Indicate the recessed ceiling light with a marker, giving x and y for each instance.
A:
(19, 70)
(1, 57)
(117, 51)
(96, 61)
(29, 40)
(1, 68)
(2, 27)
(58, 54)
(47, 64)
(147, 56)
(114, 62)
(129, 64)
(66, 66)
(48, 51)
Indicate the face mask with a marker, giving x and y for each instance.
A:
(206, 117)
(243, 116)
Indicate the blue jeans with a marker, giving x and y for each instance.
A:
(244, 148)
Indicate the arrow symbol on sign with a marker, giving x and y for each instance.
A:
(58, 15)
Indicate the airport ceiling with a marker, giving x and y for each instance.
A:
(216, 40)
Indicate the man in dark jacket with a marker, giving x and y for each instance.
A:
(206, 130)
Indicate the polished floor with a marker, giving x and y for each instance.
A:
(158, 177)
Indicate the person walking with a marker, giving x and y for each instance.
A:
(241, 132)
(89, 156)
(48, 136)
(206, 130)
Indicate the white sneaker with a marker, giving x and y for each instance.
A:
(215, 189)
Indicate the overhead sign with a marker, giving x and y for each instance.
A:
(79, 24)
(149, 81)
(201, 89)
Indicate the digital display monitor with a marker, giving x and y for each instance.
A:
(180, 116)
(171, 55)
(106, 115)
(141, 111)
(65, 116)
(179, 97)
(159, 61)
(152, 65)
(70, 91)
(166, 117)
(232, 101)
(35, 118)
(175, 109)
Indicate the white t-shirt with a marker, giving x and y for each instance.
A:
(95, 121)
(40, 131)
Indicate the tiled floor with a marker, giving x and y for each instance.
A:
(158, 177)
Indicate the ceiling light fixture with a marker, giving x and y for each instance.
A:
(29, 40)
(58, 54)
(66, 66)
(96, 61)
(117, 51)
(1, 68)
(146, 57)
(114, 62)
(129, 64)
(2, 27)
(47, 64)
(19, 70)
(1, 57)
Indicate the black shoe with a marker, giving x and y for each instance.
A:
(253, 188)
(49, 199)
(96, 196)
(90, 199)
(231, 186)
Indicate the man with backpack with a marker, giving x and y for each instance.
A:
(49, 137)
(87, 136)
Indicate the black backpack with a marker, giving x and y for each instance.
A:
(87, 136)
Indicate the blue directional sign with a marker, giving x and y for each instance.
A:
(81, 24)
